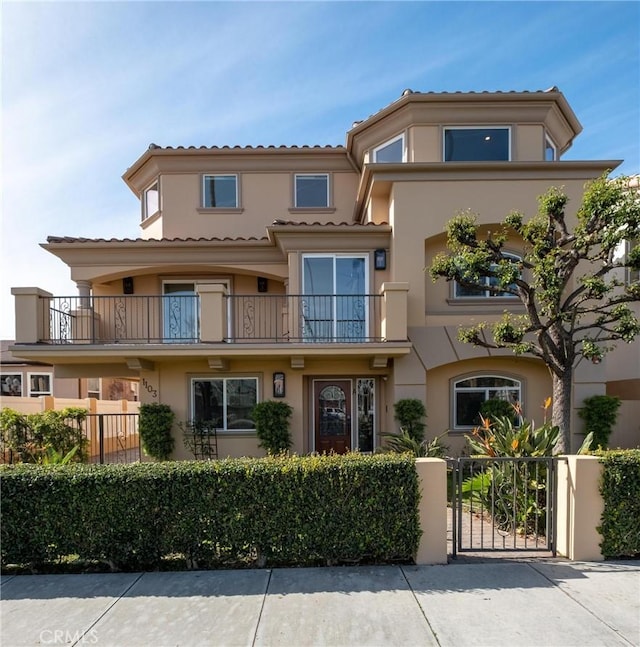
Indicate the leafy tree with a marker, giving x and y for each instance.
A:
(575, 305)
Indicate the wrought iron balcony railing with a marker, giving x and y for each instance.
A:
(189, 319)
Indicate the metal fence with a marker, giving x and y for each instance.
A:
(166, 319)
(502, 504)
(113, 437)
(339, 318)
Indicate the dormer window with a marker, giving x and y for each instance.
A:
(550, 150)
(390, 152)
(472, 144)
(151, 200)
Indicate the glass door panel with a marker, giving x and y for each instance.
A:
(180, 317)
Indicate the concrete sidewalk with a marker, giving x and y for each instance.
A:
(498, 602)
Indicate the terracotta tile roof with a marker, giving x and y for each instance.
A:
(409, 91)
(329, 147)
(54, 240)
(73, 239)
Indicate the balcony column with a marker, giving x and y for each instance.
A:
(213, 312)
(31, 314)
(84, 292)
(394, 311)
(85, 323)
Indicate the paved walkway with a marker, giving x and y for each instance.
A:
(499, 602)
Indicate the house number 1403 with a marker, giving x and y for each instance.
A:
(149, 387)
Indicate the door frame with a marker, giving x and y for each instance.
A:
(312, 398)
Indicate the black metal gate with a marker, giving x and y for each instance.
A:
(502, 504)
(113, 437)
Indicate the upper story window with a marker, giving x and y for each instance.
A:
(39, 384)
(220, 191)
(550, 150)
(335, 303)
(311, 190)
(470, 144)
(471, 393)
(151, 200)
(390, 152)
(464, 292)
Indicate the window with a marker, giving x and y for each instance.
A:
(39, 384)
(227, 402)
(365, 392)
(391, 151)
(312, 191)
(550, 151)
(463, 292)
(334, 306)
(632, 275)
(471, 392)
(220, 192)
(151, 201)
(11, 384)
(93, 387)
(490, 144)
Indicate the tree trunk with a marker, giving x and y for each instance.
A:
(561, 411)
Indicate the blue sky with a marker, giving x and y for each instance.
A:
(87, 86)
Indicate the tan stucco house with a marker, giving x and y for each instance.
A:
(298, 273)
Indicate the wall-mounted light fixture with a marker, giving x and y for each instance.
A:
(263, 284)
(278, 385)
(127, 285)
(380, 259)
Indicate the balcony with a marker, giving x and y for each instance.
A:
(211, 317)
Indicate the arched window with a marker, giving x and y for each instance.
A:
(463, 292)
(470, 392)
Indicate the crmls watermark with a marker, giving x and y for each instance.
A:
(67, 637)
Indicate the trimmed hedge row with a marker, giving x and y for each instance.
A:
(236, 512)
(620, 489)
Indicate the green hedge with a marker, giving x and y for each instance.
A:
(620, 489)
(235, 512)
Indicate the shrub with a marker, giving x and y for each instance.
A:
(599, 413)
(403, 442)
(410, 414)
(154, 426)
(276, 510)
(494, 408)
(29, 438)
(620, 489)
(516, 492)
(272, 425)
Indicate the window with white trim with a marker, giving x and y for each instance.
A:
(226, 402)
(220, 191)
(464, 292)
(93, 387)
(151, 200)
(473, 144)
(470, 392)
(11, 385)
(550, 150)
(311, 190)
(391, 151)
(39, 384)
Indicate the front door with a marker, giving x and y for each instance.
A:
(332, 415)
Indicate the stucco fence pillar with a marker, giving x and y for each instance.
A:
(579, 508)
(432, 510)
